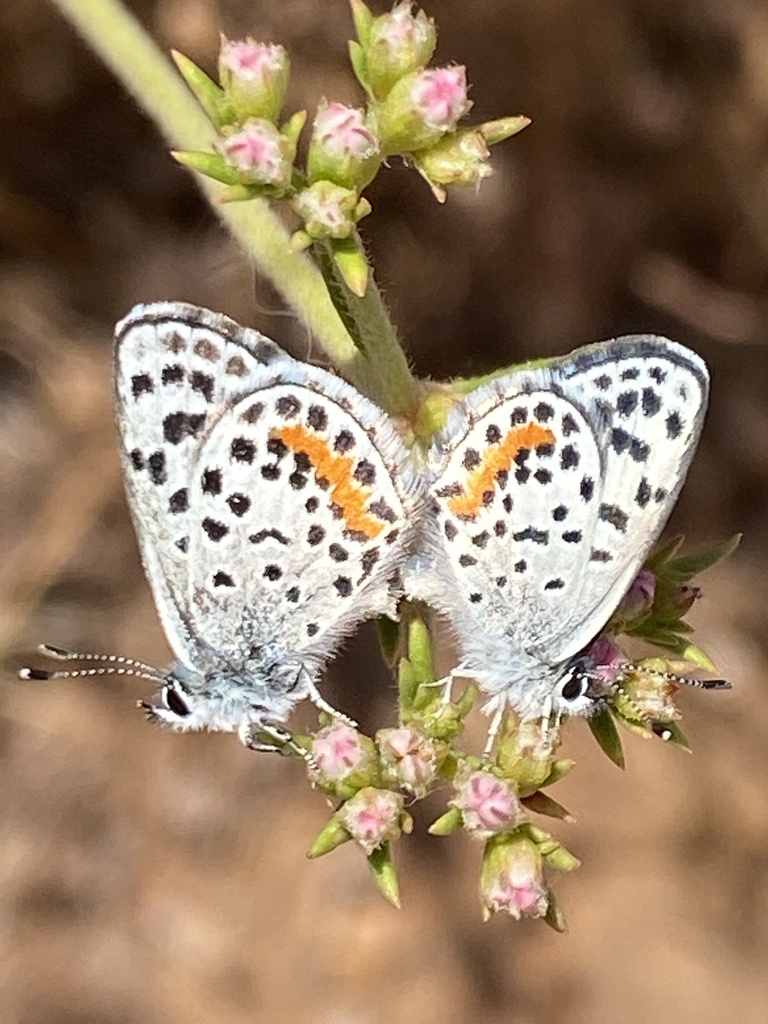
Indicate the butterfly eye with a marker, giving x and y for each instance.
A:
(575, 687)
(175, 703)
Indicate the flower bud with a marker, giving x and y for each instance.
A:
(397, 43)
(607, 658)
(512, 879)
(526, 753)
(372, 817)
(644, 693)
(638, 600)
(343, 149)
(410, 759)
(254, 77)
(421, 108)
(260, 154)
(328, 210)
(489, 805)
(460, 158)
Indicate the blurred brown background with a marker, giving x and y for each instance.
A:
(147, 878)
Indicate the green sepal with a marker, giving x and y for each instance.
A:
(556, 856)
(554, 916)
(389, 639)
(467, 700)
(604, 730)
(446, 823)
(359, 64)
(541, 803)
(292, 128)
(363, 20)
(331, 835)
(384, 874)
(208, 93)
(212, 165)
(351, 263)
(559, 770)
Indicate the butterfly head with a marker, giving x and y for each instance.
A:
(581, 688)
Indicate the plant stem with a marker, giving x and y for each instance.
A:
(129, 52)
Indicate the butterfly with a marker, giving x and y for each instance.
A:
(273, 504)
(546, 491)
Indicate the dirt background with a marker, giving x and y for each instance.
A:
(147, 878)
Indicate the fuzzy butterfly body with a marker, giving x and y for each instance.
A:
(547, 489)
(273, 504)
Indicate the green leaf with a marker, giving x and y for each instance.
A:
(363, 20)
(446, 823)
(213, 165)
(664, 551)
(352, 265)
(671, 732)
(420, 651)
(331, 835)
(554, 916)
(207, 92)
(359, 64)
(692, 565)
(541, 803)
(389, 639)
(605, 732)
(407, 685)
(384, 874)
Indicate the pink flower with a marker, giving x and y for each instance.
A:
(440, 95)
(489, 805)
(372, 817)
(398, 43)
(608, 659)
(411, 756)
(328, 210)
(638, 600)
(341, 130)
(259, 152)
(254, 77)
(513, 878)
(337, 751)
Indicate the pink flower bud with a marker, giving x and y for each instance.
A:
(410, 757)
(260, 153)
(421, 108)
(254, 77)
(513, 878)
(638, 600)
(440, 95)
(372, 817)
(343, 149)
(489, 805)
(608, 659)
(398, 43)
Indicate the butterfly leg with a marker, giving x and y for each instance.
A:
(322, 705)
(282, 741)
(493, 731)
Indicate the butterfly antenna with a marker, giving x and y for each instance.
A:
(116, 665)
(706, 684)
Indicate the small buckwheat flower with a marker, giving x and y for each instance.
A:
(488, 805)
(260, 154)
(398, 43)
(409, 757)
(608, 659)
(343, 149)
(645, 692)
(344, 760)
(254, 77)
(460, 158)
(372, 817)
(512, 879)
(638, 600)
(328, 210)
(421, 108)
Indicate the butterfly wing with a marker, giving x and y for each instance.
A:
(177, 368)
(550, 485)
(302, 500)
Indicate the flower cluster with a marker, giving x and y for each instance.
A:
(411, 110)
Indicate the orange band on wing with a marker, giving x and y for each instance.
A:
(497, 457)
(337, 469)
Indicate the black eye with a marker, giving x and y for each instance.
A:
(175, 703)
(575, 687)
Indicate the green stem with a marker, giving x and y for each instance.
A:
(386, 376)
(132, 56)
